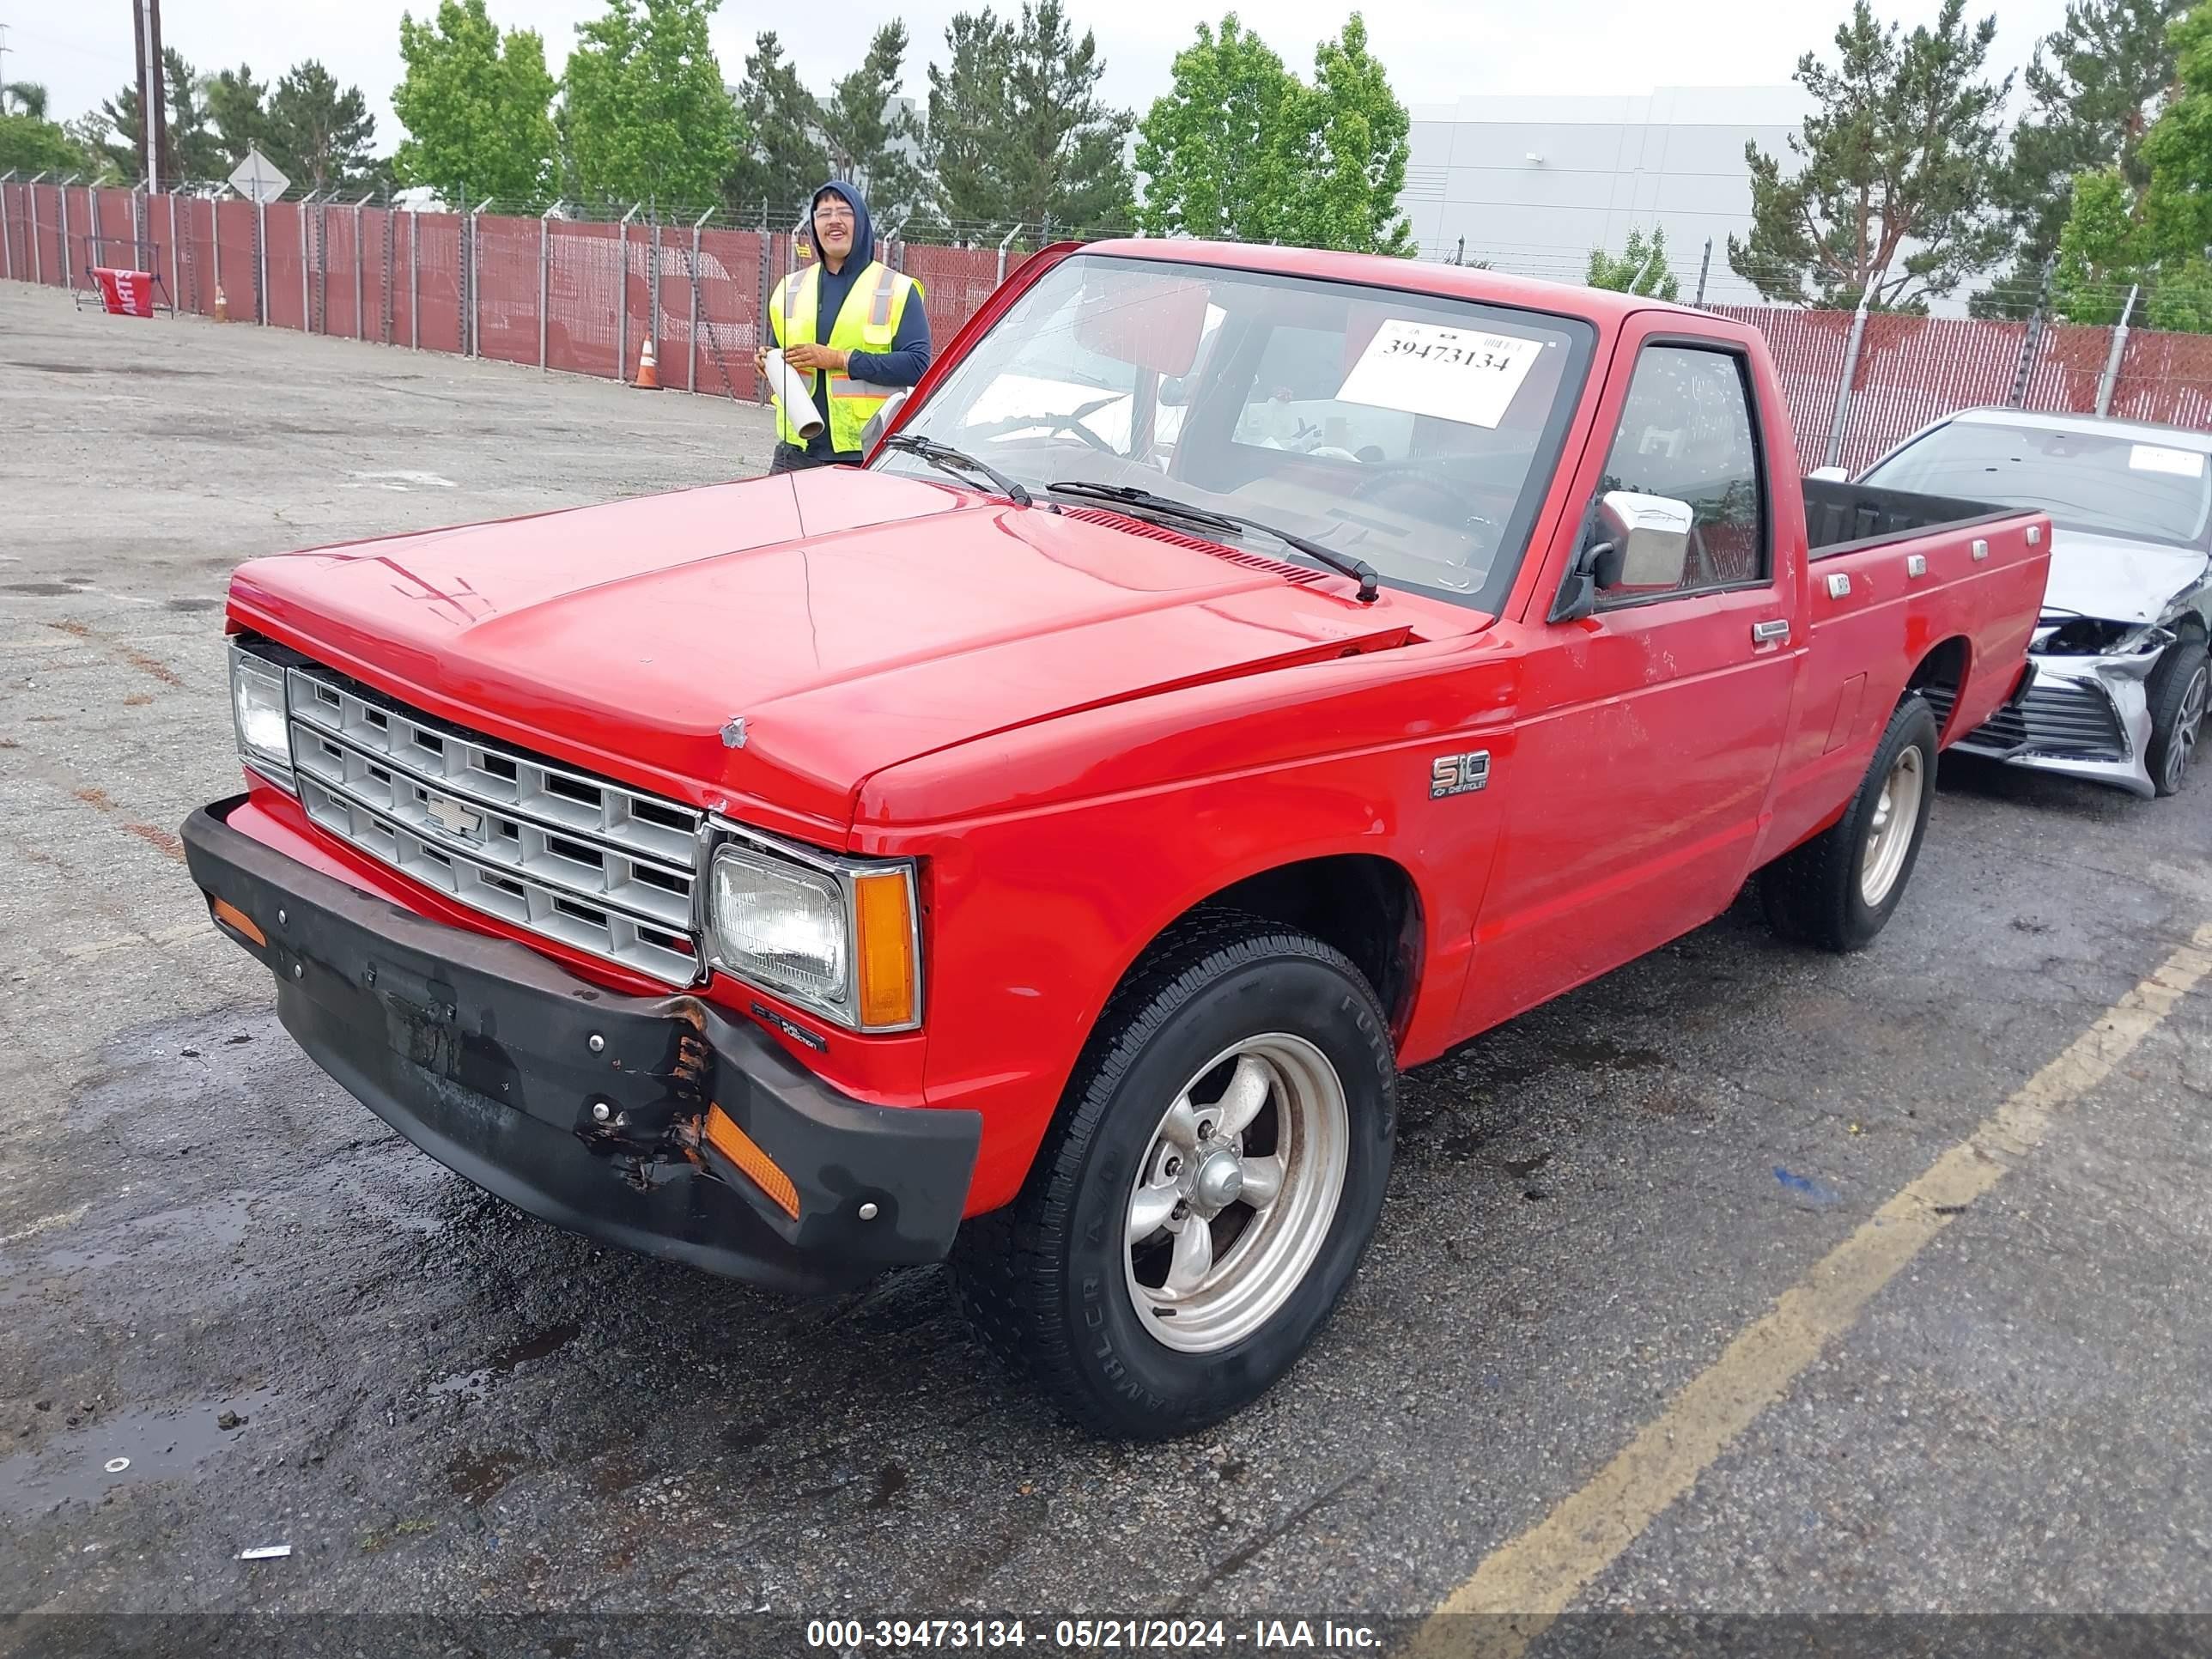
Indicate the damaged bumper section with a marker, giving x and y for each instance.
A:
(655, 1123)
(2083, 716)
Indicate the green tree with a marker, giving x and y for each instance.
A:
(1017, 133)
(2093, 88)
(88, 134)
(2099, 253)
(23, 98)
(32, 146)
(781, 158)
(476, 106)
(2177, 151)
(867, 134)
(1892, 187)
(2118, 234)
(1218, 149)
(320, 136)
(1641, 268)
(647, 116)
(1355, 139)
(194, 152)
(236, 105)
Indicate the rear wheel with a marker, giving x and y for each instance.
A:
(2180, 687)
(1207, 1190)
(1838, 890)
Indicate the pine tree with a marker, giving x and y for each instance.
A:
(237, 106)
(2094, 88)
(781, 159)
(194, 152)
(1895, 170)
(868, 135)
(1017, 134)
(319, 137)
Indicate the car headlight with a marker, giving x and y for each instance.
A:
(835, 936)
(257, 707)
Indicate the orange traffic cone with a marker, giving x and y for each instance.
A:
(649, 367)
(222, 306)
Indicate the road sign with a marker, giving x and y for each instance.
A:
(258, 178)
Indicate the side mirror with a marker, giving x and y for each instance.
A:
(1653, 532)
(879, 423)
(1634, 540)
(1829, 475)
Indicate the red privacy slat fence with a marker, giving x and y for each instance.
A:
(580, 297)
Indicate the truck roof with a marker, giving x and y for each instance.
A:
(1599, 306)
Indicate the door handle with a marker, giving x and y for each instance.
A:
(1770, 632)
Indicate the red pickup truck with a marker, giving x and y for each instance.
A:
(1239, 674)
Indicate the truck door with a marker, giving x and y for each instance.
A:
(1653, 726)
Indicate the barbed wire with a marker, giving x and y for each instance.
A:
(917, 231)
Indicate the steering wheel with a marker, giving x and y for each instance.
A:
(1056, 423)
(1432, 499)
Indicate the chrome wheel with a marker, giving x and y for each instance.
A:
(1236, 1192)
(2188, 725)
(1889, 838)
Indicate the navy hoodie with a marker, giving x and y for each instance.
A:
(909, 354)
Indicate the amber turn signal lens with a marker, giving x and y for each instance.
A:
(237, 920)
(890, 991)
(742, 1150)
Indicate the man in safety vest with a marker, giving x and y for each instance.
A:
(854, 325)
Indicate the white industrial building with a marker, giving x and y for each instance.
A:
(1533, 184)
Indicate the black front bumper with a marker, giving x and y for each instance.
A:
(481, 1052)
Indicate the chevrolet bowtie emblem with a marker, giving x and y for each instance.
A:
(453, 818)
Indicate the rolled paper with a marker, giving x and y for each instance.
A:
(788, 387)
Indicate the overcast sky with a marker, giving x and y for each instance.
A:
(1436, 50)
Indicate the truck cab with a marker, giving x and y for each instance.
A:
(1238, 675)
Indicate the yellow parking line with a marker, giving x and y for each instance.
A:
(1535, 1578)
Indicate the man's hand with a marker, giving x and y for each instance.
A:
(810, 357)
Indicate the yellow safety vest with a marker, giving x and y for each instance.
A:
(868, 321)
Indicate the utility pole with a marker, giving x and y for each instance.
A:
(3, 54)
(153, 98)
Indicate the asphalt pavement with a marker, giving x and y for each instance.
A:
(217, 1266)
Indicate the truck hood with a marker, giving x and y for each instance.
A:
(849, 620)
(2118, 580)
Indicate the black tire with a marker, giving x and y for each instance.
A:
(1046, 1280)
(2178, 689)
(1813, 894)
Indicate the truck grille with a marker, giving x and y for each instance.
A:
(2061, 719)
(601, 868)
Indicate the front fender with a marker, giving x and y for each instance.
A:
(1035, 914)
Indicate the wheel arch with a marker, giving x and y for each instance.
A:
(1942, 670)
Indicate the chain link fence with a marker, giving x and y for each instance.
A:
(579, 289)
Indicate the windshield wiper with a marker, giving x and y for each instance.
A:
(1130, 496)
(946, 459)
(1127, 495)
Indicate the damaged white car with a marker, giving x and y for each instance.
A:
(2120, 679)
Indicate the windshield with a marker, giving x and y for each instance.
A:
(2098, 483)
(1413, 432)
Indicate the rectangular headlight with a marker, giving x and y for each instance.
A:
(835, 936)
(257, 713)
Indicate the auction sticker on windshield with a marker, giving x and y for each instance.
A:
(2157, 457)
(1454, 373)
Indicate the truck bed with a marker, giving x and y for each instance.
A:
(1844, 518)
(1946, 589)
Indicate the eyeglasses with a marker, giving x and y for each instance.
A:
(840, 215)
